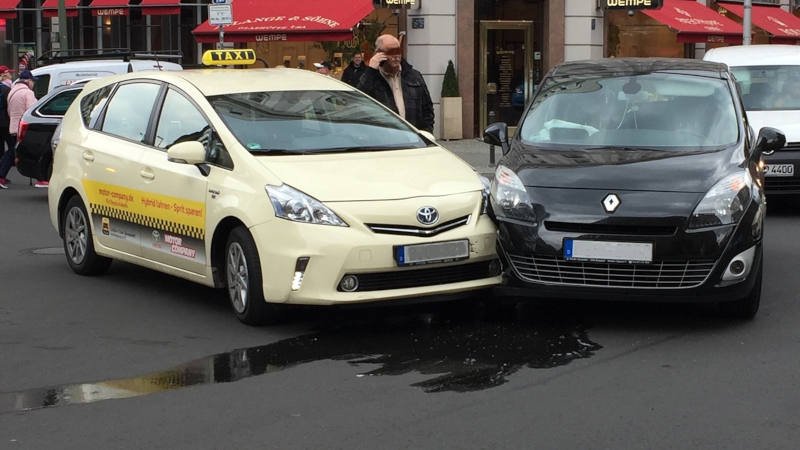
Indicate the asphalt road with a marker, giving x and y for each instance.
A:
(137, 359)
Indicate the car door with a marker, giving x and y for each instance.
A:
(175, 193)
(112, 156)
(32, 150)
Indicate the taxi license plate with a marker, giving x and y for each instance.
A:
(604, 251)
(435, 252)
(779, 170)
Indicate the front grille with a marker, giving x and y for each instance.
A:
(791, 146)
(604, 228)
(664, 275)
(399, 279)
(782, 184)
(407, 230)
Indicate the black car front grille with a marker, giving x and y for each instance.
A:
(658, 275)
(407, 230)
(398, 279)
(782, 184)
(603, 228)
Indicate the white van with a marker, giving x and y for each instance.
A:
(53, 75)
(769, 79)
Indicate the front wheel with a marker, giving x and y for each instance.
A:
(244, 281)
(78, 242)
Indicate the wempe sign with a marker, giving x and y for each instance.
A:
(632, 4)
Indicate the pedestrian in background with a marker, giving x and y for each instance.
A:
(391, 80)
(352, 73)
(5, 76)
(7, 141)
(20, 98)
(324, 67)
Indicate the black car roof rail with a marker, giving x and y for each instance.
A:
(124, 54)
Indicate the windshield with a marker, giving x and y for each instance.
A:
(298, 122)
(769, 88)
(652, 111)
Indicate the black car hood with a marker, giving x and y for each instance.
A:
(622, 169)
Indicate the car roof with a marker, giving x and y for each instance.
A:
(636, 66)
(98, 64)
(755, 55)
(224, 81)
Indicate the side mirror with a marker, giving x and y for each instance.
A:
(189, 152)
(769, 139)
(497, 134)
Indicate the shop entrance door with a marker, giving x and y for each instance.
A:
(506, 71)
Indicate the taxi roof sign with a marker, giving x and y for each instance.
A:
(244, 56)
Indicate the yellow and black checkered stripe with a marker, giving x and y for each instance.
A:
(148, 221)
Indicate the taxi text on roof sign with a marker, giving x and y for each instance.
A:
(229, 57)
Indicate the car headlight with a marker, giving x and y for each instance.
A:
(487, 189)
(510, 196)
(724, 203)
(291, 204)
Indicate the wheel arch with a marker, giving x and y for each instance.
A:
(67, 194)
(218, 241)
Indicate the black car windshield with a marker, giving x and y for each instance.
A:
(302, 122)
(662, 111)
(769, 88)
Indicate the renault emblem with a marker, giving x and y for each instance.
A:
(611, 203)
(427, 215)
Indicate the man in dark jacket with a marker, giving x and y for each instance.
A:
(352, 73)
(392, 81)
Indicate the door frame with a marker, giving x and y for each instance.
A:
(485, 26)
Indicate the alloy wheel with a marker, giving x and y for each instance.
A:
(75, 235)
(238, 277)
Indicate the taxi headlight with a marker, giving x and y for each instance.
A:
(510, 196)
(291, 204)
(487, 189)
(724, 203)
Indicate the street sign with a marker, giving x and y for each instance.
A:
(221, 14)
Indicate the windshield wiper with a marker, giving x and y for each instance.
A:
(276, 151)
(356, 149)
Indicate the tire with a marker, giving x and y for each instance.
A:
(747, 307)
(79, 242)
(244, 282)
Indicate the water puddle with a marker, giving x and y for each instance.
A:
(455, 353)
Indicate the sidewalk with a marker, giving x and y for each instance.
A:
(475, 152)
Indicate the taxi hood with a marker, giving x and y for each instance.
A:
(375, 175)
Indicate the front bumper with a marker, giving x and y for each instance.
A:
(334, 252)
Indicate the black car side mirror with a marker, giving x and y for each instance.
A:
(497, 134)
(769, 139)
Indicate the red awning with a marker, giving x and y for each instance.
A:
(8, 9)
(50, 8)
(160, 7)
(696, 23)
(783, 26)
(288, 20)
(109, 7)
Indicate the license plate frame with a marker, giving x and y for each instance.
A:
(607, 251)
(779, 170)
(431, 252)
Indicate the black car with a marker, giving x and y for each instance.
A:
(34, 152)
(634, 179)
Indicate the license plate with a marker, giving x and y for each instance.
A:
(779, 170)
(604, 251)
(435, 252)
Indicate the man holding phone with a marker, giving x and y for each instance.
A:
(391, 80)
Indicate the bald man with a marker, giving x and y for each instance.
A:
(391, 80)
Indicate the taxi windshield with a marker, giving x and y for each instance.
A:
(769, 88)
(661, 111)
(301, 122)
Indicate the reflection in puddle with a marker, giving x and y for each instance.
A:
(459, 354)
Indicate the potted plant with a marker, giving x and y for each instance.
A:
(451, 105)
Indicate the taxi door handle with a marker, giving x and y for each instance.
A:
(147, 174)
(88, 156)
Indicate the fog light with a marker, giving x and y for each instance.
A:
(299, 272)
(740, 265)
(349, 283)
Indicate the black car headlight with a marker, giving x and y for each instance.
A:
(510, 196)
(724, 203)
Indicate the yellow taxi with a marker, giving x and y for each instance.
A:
(281, 186)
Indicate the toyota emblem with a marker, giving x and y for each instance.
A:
(427, 215)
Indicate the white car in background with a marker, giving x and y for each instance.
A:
(769, 80)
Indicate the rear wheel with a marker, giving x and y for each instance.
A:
(747, 307)
(244, 281)
(78, 241)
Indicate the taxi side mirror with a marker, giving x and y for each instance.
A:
(769, 139)
(189, 152)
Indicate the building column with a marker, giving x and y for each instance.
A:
(583, 30)
(555, 10)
